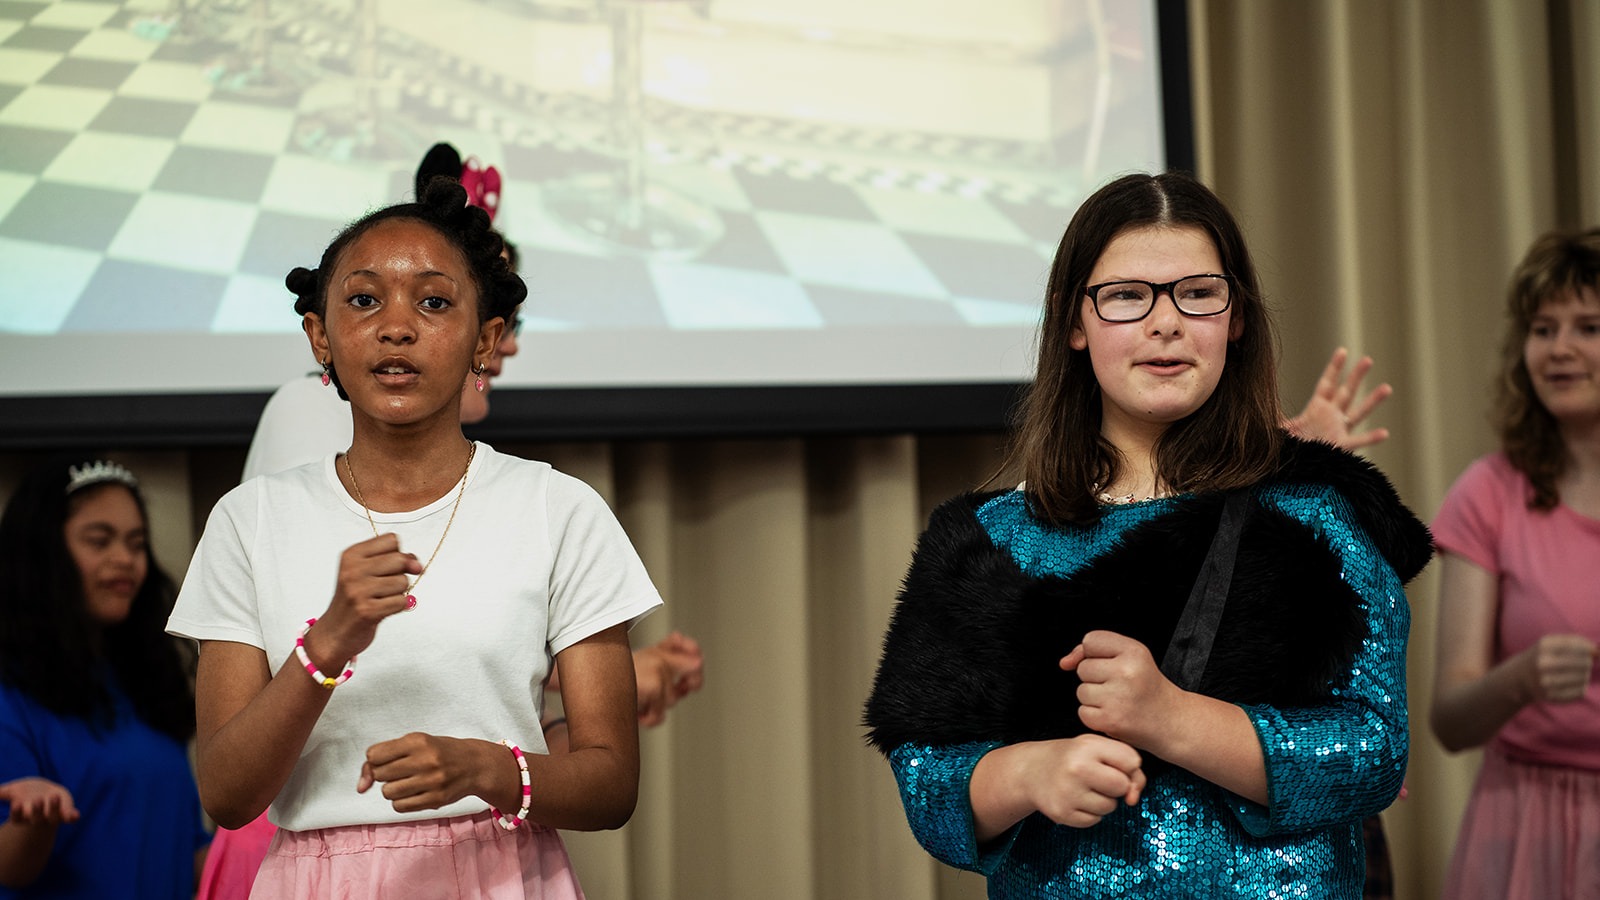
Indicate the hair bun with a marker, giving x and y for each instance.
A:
(302, 282)
(441, 161)
(444, 195)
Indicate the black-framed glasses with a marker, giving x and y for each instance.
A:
(516, 325)
(1130, 301)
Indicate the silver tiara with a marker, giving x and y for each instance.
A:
(96, 472)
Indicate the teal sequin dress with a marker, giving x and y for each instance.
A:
(1328, 766)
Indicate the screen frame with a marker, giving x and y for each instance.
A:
(172, 420)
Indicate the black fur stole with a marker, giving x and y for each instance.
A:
(973, 648)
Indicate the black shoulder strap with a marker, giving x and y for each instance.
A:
(1187, 654)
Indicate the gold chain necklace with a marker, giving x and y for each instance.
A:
(411, 600)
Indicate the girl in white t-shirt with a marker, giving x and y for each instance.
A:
(421, 771)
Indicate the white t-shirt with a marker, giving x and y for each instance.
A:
(302, 422)
(533, 563)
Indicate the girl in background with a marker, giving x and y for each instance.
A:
(1519, 597)
(95, 706)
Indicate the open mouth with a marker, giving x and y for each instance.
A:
(394, 370)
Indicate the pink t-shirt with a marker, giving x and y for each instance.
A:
(1548, 564)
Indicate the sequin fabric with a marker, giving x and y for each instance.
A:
(1328, 766)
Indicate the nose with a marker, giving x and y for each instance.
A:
(120, 554)
(1561, 343)
(508, 344)
(1164, 318)
(397, 324)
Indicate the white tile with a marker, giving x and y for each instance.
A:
(993, 312)
(19, 65)
(158, 80)
(12, 187)
(708, 297)
(704, 184)
(239, 126)
(930, 212)
(859, 255)
(118, 161)
(185, 232)
(325, 189)
(120, 46)
(524, 219)
(56, 107)
(67, 14)
(43, 281)
(255, 305)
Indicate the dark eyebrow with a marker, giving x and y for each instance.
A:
(430, 273)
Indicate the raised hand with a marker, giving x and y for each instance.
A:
(666, 672)
(1333, 412)
(1559, 667)
(38, 801)
(1123, 693)
(373, 576)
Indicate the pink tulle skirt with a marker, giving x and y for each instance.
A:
(1531, 832)
(437, 859)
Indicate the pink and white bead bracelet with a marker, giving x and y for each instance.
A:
(325, 681)
(510, 823)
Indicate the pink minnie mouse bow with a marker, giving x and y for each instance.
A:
(482, 184)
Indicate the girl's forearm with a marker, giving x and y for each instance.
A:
(243, 765)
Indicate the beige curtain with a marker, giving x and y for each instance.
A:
(1389, 161)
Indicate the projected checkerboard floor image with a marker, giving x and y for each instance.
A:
(667, 164)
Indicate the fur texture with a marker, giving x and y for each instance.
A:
(972, 650)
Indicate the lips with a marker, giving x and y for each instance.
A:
(119, 586)
(395, 370)
(1162, 365)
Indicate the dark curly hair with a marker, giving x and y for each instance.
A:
(443, 207)
(48, 648)
(1558, 263)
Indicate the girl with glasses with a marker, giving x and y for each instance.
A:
(1170, 662)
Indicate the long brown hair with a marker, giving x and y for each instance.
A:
(1558, 264)
(1232, 440)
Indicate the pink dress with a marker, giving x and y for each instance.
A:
(460, 858)
(234, 859)
(1532, 826)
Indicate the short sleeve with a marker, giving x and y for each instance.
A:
(302, 422)
(596, 577)
(1470, 521)
(218, 598)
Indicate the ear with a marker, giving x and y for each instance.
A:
(1235, 328)
(1076, 339)
(488, 338)
(317, 334)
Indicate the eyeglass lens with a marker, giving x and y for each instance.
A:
(1127, 301)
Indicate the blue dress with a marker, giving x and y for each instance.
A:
(1328, 766)
(140, 819)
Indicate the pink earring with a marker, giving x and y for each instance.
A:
(478, 383)
(325, 378)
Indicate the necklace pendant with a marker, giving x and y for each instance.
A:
(411, 602)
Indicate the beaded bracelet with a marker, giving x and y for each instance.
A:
(510, 823)
(318, 677)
